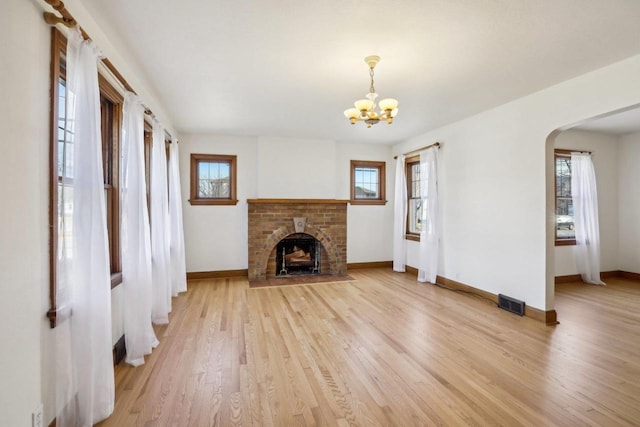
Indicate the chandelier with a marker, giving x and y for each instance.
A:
(365, 109)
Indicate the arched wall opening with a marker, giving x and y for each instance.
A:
(613, 138)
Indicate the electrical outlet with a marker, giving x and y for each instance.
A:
(36, 417)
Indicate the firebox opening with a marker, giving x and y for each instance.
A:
(297, 254)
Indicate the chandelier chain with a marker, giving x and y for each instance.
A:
(371, 89)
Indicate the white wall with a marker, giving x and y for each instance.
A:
(216, 236)
(24, 238)
(296, 168)
(604, 150)
(629, 211)
(369, 227)
(496, 187)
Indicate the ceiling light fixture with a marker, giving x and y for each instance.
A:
(365, 109)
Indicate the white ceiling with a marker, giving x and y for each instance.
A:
(290, 67)
(614, 124)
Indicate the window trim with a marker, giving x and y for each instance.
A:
(147, 137)
(559, 152)
(58, 46)
(409, 235)
(199, 201)
(381, 166)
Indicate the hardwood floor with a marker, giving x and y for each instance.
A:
(385, 350)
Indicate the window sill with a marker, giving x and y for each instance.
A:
(221, 202)
(58, 315)
(566, 242)
(413, 237)
(367, 202)
(52, 315)
(55, 315)
(116, 279)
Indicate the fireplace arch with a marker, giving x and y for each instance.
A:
(284, 232)
(298, 254)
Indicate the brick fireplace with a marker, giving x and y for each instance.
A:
(272, 220)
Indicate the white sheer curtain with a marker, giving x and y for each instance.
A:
(135, 240)
(430, 220)
(585, 212)
(400, 217)
(85, 382)
(178, 267)
(160, 231)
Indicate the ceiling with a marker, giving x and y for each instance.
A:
(614, 124)
(289, 67)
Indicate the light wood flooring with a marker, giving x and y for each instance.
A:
(385, 350)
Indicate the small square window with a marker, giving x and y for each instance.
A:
(367, 183)
(213, 179)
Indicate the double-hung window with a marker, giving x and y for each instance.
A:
(564, 229)
(414, 199)
(111, 123)
(61, 176)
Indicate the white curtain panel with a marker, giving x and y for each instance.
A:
(135, 237)
(178, 267)
(160, 231)
(585, 212)
(400, 217)
(85, 384)
(430, 221)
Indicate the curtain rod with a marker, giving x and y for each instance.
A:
(435, 144)
(69, 21)
(564, 151)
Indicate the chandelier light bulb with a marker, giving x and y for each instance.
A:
(351, 113)
(363, 104)
(388, 104)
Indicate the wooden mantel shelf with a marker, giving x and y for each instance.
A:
(298, 201)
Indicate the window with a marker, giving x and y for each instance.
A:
(111, 112)
(213, 179)
(414, 201)
(148, 146)
(61, 175)
(565, 233)
(367, 183)
(147, 135)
